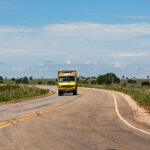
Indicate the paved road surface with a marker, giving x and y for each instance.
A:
(88, 123)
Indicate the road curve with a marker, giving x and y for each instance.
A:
(90, 122)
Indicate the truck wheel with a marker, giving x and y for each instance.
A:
(59, 93)
(75, 92)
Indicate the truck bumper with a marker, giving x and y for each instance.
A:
(67, 90)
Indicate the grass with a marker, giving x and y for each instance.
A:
(16, 92)
(139, 94)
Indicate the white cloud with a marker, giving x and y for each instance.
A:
(87, 62)
(18, 69)
(40, 65)
(119, 65)
(68, 62)
(129, 54)
(135, 28)
(136, 68)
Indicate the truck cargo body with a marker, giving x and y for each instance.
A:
(67, 82)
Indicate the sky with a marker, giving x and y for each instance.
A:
(40, 37)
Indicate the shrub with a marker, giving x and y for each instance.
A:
(93, 82)
(13, 79)
(145, 83)
(1, 82)
(51, 82)
(22, 80)
(83, 82)
(131, 81)
(124, 84)
(25, 80)
(40, 82)
(1, 78)
(107, 79)
(31, 78)
(18, 81)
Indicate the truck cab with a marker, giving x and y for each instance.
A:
(67, 82)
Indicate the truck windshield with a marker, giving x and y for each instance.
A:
(67, 79)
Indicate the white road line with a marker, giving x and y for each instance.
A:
(126, 122)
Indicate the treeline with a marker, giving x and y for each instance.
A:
(111, 78)
(24, 80)
(27, 80)
(107, 79)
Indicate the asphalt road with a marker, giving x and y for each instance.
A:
(86, 122)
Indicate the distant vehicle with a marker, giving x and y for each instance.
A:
(67, 82)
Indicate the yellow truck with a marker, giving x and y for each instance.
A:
(67, 82)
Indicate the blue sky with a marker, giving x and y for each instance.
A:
(40, 37)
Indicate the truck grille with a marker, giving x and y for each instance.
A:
(67, 86)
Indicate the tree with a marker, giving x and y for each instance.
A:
(18, 81)
(145, 83)
(25, 80)
(13, 79)
(93, 77)
(40, 82)
(31, 78)
(124, 84)
(147, 77)
(1, 78)
(22, 80)
(123, 77)
(107, 79)
(93, 82)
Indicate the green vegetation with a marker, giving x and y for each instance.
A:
(131, 81)
(15, 92)
(146, 83)
(1, 80)
(107, 79)
(51, 82)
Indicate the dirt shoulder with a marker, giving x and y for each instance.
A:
(141, 114)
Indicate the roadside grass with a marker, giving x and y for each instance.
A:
(139, 94)
(15, 92)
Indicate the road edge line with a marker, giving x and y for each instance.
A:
(122, 119)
